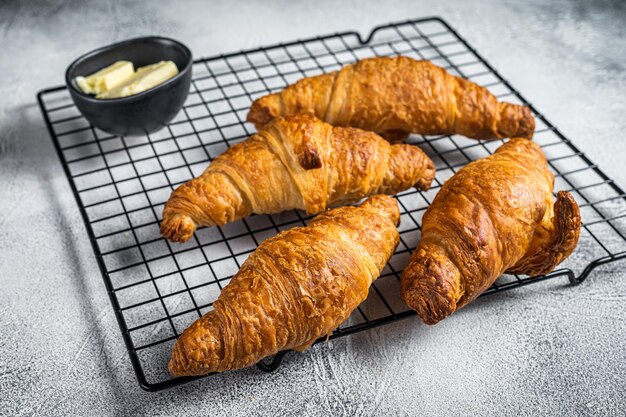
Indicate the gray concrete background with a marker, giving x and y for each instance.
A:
(547, 349)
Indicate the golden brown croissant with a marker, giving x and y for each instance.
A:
(495, 215)
(297, 162)
(295, 288)
(397, 95)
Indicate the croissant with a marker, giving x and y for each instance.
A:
(297, 162)
(495, 215)
(295, 288)
(396, 96)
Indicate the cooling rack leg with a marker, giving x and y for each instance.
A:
(572, 277)
(273, 365)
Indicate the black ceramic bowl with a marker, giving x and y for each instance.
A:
(144, 112)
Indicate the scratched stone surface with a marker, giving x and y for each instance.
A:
(545, 349)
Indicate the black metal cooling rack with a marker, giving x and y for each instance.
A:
(121, 183)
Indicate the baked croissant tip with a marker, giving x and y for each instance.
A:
(527, 124)
(385, 204)
(424, 183)
(425, 287)
(178, 227)
(260, 114)
(176, 363)
(179, 364)
(567, 214)
(515, 121)
(431, 306)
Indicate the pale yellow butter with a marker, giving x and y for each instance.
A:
(107, 78)
(144, 79)
(121, 80)
(84, 85)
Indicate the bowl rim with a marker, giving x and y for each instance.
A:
(87, 97)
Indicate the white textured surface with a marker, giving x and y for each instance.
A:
(544, 349)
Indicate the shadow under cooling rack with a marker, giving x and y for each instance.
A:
(121, 183)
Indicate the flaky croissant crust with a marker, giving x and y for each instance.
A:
(495, 215)
(395, 96)
(297, 162)
(295, 288)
